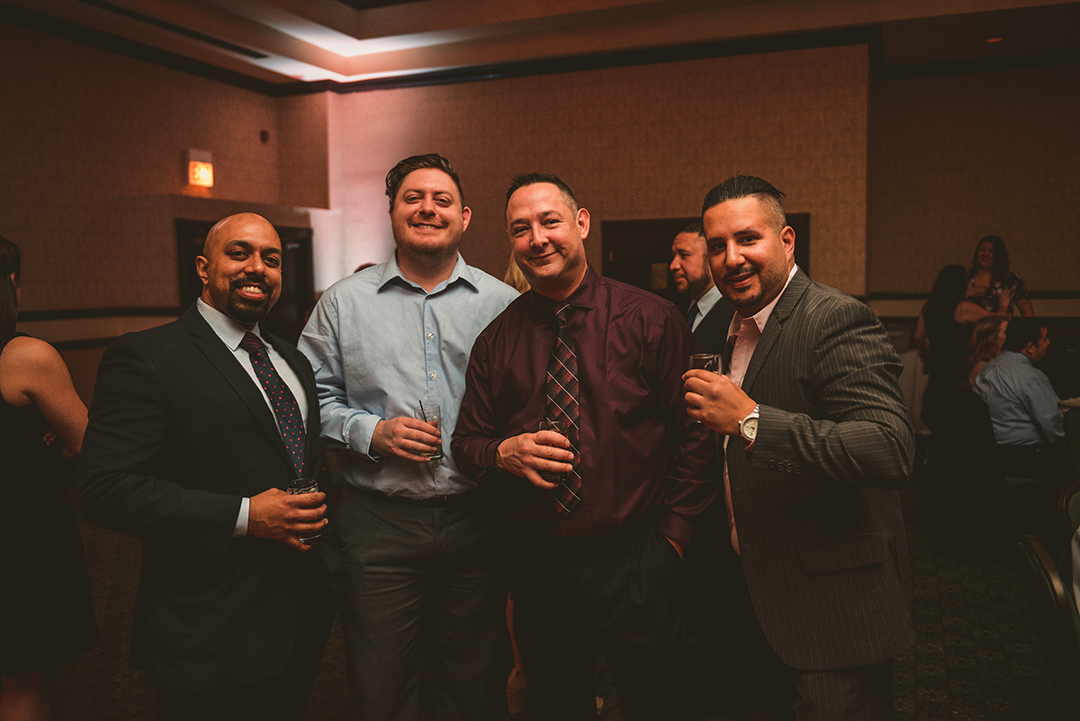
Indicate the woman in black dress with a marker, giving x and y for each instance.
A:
(46, 613)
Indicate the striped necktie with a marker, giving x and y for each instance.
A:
(562, 405)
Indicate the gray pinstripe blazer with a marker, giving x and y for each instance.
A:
(820, 531)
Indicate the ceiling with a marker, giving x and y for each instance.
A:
(296, 45)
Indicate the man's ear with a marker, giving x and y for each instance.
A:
(201, 268)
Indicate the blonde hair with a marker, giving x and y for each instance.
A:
(515, 278)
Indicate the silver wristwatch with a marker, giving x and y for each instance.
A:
(748, 425)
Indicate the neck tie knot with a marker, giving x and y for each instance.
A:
(562, 314)
(251, 343)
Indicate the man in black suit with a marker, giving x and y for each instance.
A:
(714, 686)
(709, 314)
(185, 451)
(818, 441)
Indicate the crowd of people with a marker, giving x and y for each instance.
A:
(992, 414)
(551, 440)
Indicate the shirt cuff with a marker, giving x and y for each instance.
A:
(242, 518)
(359, 432)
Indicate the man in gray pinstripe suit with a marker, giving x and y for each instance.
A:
(817, 440)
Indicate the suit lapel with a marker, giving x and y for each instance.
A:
(208, 342)
(775, 326)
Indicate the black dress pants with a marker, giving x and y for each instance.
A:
(620, 594)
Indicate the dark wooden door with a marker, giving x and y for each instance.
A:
(286, 318)
(638, 252)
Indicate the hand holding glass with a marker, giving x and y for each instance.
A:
(559, 427)
(305, 485)
(431, 414)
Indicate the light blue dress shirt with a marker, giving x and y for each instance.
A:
(379, 344)
(1023, 404)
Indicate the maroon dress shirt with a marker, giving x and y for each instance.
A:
(640, 452)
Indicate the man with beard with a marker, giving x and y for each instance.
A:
(420, 539)
(605, 505)
(817, 441)
(709, 314)
(196, 429)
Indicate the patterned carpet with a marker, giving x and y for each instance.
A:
(976, 657)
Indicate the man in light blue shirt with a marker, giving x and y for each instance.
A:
(419, 537)
(1023, 406)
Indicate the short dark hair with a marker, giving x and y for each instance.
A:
(743, 186)
(520, 181)
(696, 228)
(1022, 331)
(1001, 257)
(10, 264)
(399, 172)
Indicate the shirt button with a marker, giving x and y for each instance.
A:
(432, 376)
(430, 335)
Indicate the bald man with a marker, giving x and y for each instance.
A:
(196, 429)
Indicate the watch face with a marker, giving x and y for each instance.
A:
(749, 429)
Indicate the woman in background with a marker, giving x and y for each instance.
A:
(46, 613)
(985, 343)
(989, 278)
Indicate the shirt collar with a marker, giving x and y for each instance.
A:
(461, 272)
(708, 299)
(228, 330)
(582, 297)
(762, 316)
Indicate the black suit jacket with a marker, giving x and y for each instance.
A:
(820, 532)
(711, 332)
(178, 434)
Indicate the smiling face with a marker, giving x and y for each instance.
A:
(547, 237)
(241, 268)
(427, 216)
(749, 254)
(690, 265)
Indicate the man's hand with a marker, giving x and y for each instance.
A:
(279, 516)
(716, 401)
(406, 438)
(530, 453)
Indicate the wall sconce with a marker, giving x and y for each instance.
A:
(200, 168)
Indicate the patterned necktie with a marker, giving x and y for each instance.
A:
(282, 400)
(562, 405)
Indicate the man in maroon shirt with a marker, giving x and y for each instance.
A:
(600, 565)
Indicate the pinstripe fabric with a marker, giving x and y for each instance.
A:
(820, 530)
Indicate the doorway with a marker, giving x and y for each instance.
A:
(286, 318)
(638, 252)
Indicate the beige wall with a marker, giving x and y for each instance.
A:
(635, 142)
(955, 158)
(92, 146)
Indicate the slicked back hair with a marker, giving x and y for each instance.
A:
(524, 179)
(744, 186)
(399, 172)
(10, 263)
(1022, 331)
(696, 228)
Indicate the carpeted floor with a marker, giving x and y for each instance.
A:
(976, 656)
